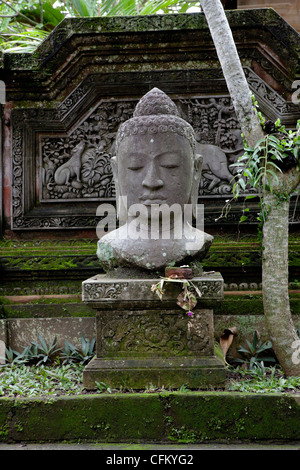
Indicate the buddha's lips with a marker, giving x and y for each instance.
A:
(151, 199)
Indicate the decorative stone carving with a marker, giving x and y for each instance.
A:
(151, 333)
(103, 289)
(95, 291)
(45, 139)
(141, 339)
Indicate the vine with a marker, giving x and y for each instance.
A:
(259, 167)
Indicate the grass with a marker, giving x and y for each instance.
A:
(22, 380)
(44, 380)
(261, 379)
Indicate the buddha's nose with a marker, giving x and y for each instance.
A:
(152, 179)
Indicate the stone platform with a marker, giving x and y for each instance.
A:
(142, 340)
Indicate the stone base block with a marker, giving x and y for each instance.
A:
(143, 341)
(140, 373)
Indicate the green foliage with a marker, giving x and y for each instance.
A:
(13, 357)
(45, 18)
(26, 41)
(22, 380)
(184, 389)
(261, 379)
(25, 24)
(258, 167)
(40, 352)
(253, 354)
(73, 354)
(101, 387)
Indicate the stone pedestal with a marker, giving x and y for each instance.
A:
(144, 341)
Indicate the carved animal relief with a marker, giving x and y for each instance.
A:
(78, 166)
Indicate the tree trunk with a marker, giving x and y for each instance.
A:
(275, 231)
(233, 71)
(275, 283)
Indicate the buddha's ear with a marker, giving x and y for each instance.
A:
(113, 163)
(198, 162)
(121, 209)
(114, 167)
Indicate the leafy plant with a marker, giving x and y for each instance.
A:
(73, 354)
(252, 355)
(184, 388)
(42, 352)
(26, 23)
(275, 152)
(13, 357)
(43, 380)
(102, 387)
(261, 379)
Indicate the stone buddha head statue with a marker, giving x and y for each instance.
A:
(155, 166)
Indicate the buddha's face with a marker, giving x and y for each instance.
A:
(155, 169)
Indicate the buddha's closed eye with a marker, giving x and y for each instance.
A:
(170, 165)
(135, 167)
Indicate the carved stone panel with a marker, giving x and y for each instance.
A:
(63, 155)
(106, 293)
(154, 333)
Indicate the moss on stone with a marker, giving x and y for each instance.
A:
(154, 417)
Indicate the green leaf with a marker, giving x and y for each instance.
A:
(248, 173)
(272, 138)
(83, 7)
(242, 183)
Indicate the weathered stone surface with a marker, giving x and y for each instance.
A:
(104, 292)
(171, 372)
(142, 340)
(165, 417)
(22, 331)
(153, 333)
(157, 170)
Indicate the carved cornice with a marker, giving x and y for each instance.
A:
(78, 46)
(102, 291)
(70, 28)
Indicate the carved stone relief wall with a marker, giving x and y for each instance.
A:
(69, 158)
(78, 166)
(63, 129)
